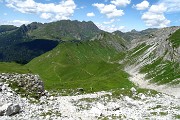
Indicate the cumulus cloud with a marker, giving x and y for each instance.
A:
(15, 22)
(142, 6)
(172, 5)
(110, 28)
(109, 10)
(62, 10)
(91, 14)
(158, 9)
(154, 17)
(121, 3)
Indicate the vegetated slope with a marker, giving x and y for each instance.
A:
(87, 65)
(7, 67)
(16, 42)
(17, 46)
(66, 30)
(156, 56)
(5, 28)
(175, 39)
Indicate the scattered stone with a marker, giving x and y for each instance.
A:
(9, 94)
(27, 82)
(3, 87)
(133, 90)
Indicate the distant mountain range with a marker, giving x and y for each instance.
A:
(71, 54)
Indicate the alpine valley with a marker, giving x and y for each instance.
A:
(72, 70)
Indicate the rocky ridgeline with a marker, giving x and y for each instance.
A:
(159, 40)
(27, 85)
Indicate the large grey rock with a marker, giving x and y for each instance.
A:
(9, 109)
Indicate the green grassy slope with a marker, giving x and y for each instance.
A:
(80, 65)
(175, 39)
(162, 72)
(7, 67)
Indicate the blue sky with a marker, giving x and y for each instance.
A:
(109, 15)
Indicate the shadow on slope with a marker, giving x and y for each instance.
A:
(24, 52)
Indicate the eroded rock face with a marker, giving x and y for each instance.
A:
(159, 39)
(9, 109)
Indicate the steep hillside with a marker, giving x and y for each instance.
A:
(158, 58)
(175, 39)
(113, 40)
(84, 65)
(6, 28)
(22, 44)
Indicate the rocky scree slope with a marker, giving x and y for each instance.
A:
(100, 105)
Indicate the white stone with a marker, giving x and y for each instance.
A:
(9, 94)
(133, 89)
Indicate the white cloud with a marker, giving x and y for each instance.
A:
(142, 6)
(154, 17)
(158, 9)
(15, 22)
(46, 15)
(110, 28)
(109, 10)
(63, 10)
(91, 14)
(121, 2)
(172, 5)
(109, 22)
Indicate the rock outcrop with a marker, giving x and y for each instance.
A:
(26, 84)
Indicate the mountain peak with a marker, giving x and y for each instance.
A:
(66, 30)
